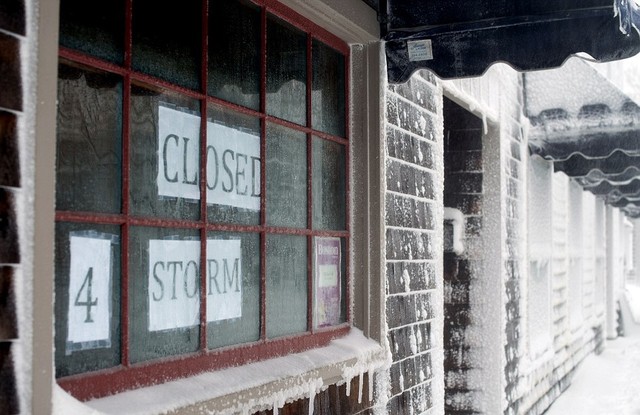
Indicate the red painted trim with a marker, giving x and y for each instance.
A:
(309, 183)
(263, 174)
(203, 172)
(108, 382)
(283, 12)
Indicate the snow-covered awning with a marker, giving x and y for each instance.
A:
(462, 38)
(589, 129)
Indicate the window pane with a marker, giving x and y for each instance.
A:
(233, 167)
(286, 285)
(234, 52)
(327, 96)
(164, 286)
(329, 185)
(233, 288)
(166, 41)
(87, 300)
(89, 137)
(286, 177)
(165, 154)
(286, 72)
(96, 28)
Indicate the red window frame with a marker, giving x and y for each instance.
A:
(130, 376)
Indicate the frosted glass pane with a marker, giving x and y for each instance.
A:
(89, 137)
(329, 185)
(327, 96)
(234, 52)
(167, 41)
(286, 285)
(96, 351)
(163, 282)
(233, 167)
(170, 158)
(245, 328)
(96, 28)
(286, 71)
(286, 177)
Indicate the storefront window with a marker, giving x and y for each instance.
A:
(201, 190)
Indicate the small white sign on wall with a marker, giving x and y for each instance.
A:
(233, 161)
(174, 281)
(89, 309)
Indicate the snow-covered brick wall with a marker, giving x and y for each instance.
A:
(576, 238)
(496, 333)
(12, 33)
(413, 230)
(463, 191)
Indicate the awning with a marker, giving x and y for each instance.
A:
(463, 38)
(589, 129)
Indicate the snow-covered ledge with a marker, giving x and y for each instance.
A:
(249, 388)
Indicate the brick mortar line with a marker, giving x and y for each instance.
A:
(410, 293)
(410, 164)
(412, 134)
(413, 104)
(421, 199)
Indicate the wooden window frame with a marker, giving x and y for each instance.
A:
(129, 376)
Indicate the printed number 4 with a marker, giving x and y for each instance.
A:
(89, 302)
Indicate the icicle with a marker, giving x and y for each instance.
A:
(348, 386)
(370, 376)
(312, 396)
(360, 383)
(485, 127)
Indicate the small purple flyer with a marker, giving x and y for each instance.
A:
(327, 281)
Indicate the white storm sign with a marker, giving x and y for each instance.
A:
(174, 282)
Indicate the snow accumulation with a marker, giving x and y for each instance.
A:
(608, 384)
(583, 85)
(249, 388)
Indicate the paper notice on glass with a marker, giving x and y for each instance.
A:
(327, 265)
(89, 318)
(233, 167)
(224, 279)
(174, 284)
(178, 154)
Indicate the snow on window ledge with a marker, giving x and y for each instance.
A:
(245, 389)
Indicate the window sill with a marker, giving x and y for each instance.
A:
(245, 389)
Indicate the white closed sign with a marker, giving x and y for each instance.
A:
(233, 161)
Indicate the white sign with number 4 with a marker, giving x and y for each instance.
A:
(89, 290)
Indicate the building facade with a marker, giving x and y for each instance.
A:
(242, 214)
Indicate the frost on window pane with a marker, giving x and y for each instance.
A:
(96, 28)
(87, 300)
(233, 288)
(286, 285)
(89, 137)
(329, 185)
(286, 177)
(233, 167)
(166, 41)
(327, 97)
(164, 155)
(164, 286)
(286, 72)
(234, 52)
